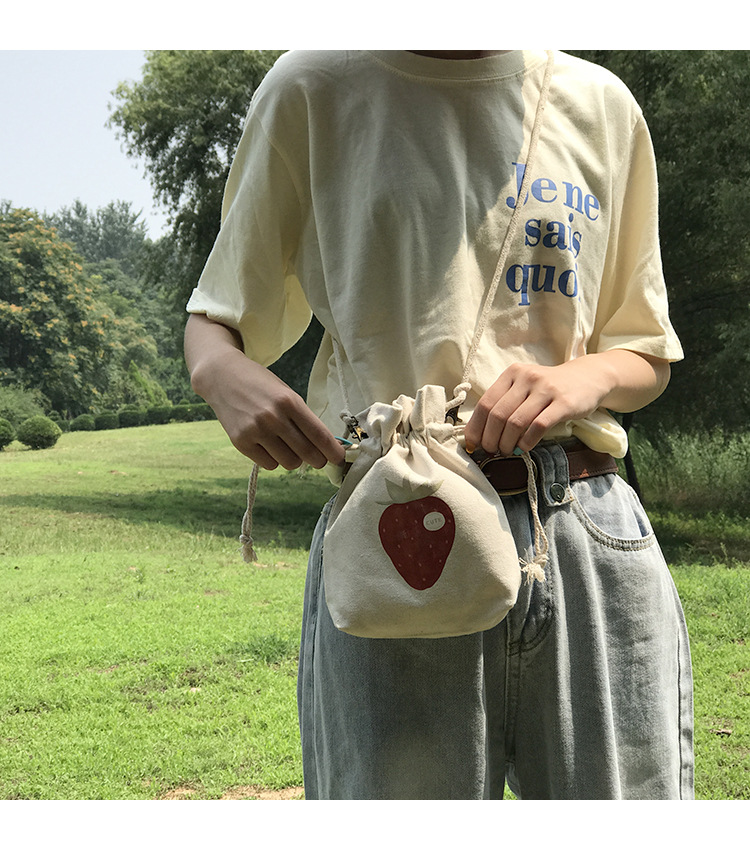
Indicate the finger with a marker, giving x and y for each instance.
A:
(505, 412)
(545, 420)
(258, 455)
(475, 427)
(285, 455)
(325, 445)
(291, 448)
(292, 434)
(524, 427)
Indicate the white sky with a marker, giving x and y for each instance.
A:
(54, 145)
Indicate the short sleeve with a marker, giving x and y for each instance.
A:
(633, 311)
(249, 282)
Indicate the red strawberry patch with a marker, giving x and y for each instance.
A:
(417, 533)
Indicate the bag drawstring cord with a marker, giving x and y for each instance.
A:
(246, 537)
(534, 568)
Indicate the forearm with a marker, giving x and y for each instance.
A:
(528, 400)
(207, 345)
(264, 418)
(631, 380)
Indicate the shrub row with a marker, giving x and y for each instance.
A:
(132, 416)
(42, 432)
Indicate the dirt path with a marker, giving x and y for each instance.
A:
(242, 792)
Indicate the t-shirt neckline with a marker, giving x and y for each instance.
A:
(493, 67)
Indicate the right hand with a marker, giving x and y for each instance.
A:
(264, 418)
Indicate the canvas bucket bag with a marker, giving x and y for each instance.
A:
(417, 542)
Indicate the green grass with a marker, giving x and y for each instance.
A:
(697, 493)
(139, 653)
(140, 657)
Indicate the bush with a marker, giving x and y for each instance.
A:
(131, 416)
(38, 432)
(84, 422)
(159, 415)
(201, 412)
(106, 420)
(184, 412)
(181, 413)
(703, 472)
(7, 433)
(17, 404)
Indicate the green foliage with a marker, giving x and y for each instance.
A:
(702, 145)
(84, 422)
(107, 420)
(147, 390)
(57, 333)
(201, 412)
(702, 471)
(181, 413)
(113, 233)
(159, 415)
(7, 433)
(18, 404)
(118, 255)
(184, 118)
(39, 432)
(186, 412)
(132, 416)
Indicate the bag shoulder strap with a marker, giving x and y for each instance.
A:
(513, 224)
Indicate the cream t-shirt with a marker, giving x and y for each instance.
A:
(374, 189)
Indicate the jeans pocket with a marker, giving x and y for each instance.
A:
(611, 513)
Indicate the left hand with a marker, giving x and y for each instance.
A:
(527, 400)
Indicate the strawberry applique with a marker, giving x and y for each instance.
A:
(417, 532)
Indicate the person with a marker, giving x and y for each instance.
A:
(373, 189)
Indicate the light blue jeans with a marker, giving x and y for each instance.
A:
(584, 691)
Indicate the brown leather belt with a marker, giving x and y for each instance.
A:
(509, 476)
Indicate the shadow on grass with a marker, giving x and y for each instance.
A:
(285, 511)
(693, 536)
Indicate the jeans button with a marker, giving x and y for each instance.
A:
(557, 491)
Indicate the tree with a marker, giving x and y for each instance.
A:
(702, 146)
(117, 252)
(185, 119)
(57, 333)
(113, 232)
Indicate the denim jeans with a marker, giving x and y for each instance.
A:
(584, 691)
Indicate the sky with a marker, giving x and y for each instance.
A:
(54, 145)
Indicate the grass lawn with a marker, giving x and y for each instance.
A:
(142, 658)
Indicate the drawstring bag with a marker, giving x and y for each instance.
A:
(417, 542)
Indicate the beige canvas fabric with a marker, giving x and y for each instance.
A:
(417, 543)
(374, 189)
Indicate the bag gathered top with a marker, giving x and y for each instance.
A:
(417, 543)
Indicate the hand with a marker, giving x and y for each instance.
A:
(269, 423)
(528, 400)
(263, 417)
